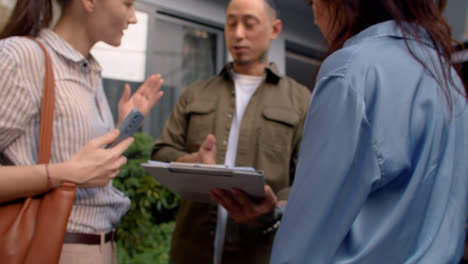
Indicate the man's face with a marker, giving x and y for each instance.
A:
(249, 29)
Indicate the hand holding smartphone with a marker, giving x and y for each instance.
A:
(129, 126)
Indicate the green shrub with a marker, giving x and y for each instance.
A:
(145, 232)
(155, 246)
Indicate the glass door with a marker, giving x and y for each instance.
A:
(182, 51)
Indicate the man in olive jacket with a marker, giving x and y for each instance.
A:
(248, 115)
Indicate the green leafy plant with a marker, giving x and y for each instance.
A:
(144, 233)
(155, 246)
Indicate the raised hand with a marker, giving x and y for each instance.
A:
(147, 95)
(206, 153)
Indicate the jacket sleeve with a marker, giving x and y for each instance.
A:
(171, 144)
(336, 170)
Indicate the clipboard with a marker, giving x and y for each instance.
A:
(193, 181)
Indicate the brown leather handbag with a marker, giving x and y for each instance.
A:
(32, 230)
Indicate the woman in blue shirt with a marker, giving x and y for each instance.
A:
(382, 175)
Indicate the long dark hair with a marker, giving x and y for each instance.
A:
(350, 17)
(29, 17)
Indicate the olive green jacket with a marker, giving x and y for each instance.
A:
(269, 139)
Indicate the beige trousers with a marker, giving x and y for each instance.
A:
(88, 254)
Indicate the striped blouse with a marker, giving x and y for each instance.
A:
(81, 114)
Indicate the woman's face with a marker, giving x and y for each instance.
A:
(110, 19)
(322, 16)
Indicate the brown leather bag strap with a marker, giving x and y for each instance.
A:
(47, 108)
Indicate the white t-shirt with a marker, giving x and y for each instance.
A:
(245, 87)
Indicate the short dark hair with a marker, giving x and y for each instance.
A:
(270, 8)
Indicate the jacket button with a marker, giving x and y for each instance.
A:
(212, 232)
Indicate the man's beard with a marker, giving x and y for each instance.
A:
(242, 62)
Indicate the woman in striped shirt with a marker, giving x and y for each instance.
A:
(82, 119)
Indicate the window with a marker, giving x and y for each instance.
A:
(183, 52)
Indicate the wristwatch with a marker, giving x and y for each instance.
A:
(270, 221)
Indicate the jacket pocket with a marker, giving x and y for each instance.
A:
(201, 118)
(285, 116)
(277, 131)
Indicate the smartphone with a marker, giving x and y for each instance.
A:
(129, 126)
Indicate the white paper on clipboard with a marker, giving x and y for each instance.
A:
(193, 181)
